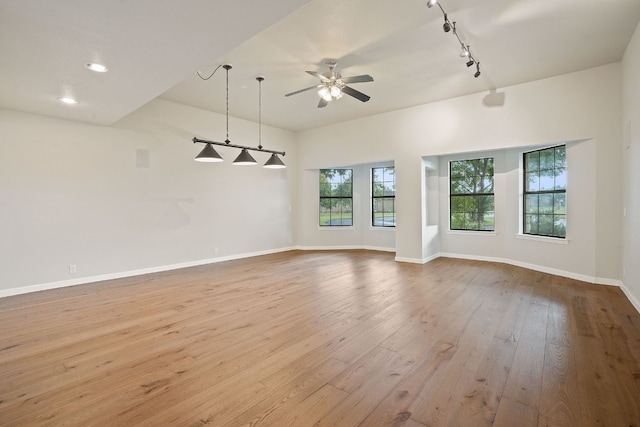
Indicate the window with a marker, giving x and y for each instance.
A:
(336, 197)
(383, 199)
(472, 200)
(545, 200)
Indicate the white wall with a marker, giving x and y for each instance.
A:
(631, 156)
(576, 254)
(579, 106)
(71, 193)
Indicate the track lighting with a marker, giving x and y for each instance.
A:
(466, 49)
(447, 25)
(209, 154)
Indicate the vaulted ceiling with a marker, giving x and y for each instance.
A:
(153, 48)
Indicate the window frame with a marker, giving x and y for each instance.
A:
(384, 198)
(525, 173)
(453, 195)
(331, 198)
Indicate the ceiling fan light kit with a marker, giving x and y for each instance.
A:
(210, 155)
(333, 86)
(466, 49)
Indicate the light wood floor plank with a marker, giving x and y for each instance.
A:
(559, 397)
(346, 338)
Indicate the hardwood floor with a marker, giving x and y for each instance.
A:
(323, 338)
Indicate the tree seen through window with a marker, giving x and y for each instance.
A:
(336, 197)
(471, 195)
(545, 186)
(383, 197)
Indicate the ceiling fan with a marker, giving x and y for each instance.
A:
(332, 85)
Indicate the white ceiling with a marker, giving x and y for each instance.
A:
(148, 46)
(154, 47)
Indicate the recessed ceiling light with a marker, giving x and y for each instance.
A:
(67, 100)
(98, 68)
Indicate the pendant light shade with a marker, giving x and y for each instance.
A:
(244, 158)
(209, 154)
(274, 162)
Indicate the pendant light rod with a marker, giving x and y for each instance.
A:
(227, 67)
(228, 144)
(260, 79)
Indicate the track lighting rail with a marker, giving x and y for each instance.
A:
(466, 49)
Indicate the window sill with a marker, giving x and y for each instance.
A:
(472, 233)
(336, 227)
(374, 228)
(556, 240)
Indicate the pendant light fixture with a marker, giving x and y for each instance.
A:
(209, 154)
(274, 161)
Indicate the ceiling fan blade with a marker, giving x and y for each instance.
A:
(302, 90)
(356, 94)
(323, 103)
(320, 76)
(357, 79)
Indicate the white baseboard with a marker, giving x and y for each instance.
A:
(345, 248)
(410, 260)
(634, 301)
(131, 273)
(100, 278)
(417, 260)
(541, 268)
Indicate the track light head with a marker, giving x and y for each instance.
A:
(450, 27)
(446, 26)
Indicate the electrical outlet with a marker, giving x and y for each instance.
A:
(72, 269)
(215, 251)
